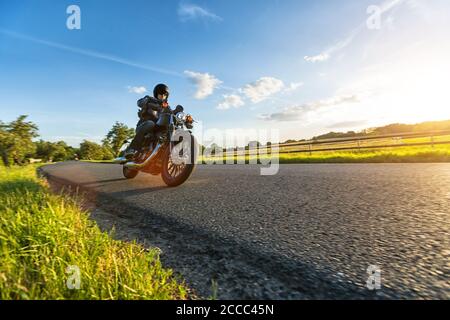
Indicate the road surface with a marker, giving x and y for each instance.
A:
(311, 231)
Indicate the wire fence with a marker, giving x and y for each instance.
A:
(366, 142)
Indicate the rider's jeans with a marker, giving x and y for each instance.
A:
(141, 130)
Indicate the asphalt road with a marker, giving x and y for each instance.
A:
(311, 231)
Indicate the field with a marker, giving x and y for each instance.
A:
(384, 155)
(50, 249)
(383, 150)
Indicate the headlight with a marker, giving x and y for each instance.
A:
(181, 116)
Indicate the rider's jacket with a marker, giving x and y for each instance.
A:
(149, 109)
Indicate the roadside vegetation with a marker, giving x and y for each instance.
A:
(46, 238)
(309, 152)
(18, 144)
(386, 155)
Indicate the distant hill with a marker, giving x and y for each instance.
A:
(419, 127)
(389, 129)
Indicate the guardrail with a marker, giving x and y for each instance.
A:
(342, 144)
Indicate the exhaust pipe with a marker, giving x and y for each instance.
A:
(134, 165)
(120, 160)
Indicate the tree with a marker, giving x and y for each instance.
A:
(336, 135)
(16, 143)
(71, 152)
(44, 150)
(54, 151)
(290, 141)
(107, 154)
(117, 136)
(6, 141)
(93, 151)
(90, 150)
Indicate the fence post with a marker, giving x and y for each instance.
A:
(432, 141)
(310, 149)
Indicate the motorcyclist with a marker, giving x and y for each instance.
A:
(150, 107)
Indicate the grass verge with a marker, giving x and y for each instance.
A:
(46, 238)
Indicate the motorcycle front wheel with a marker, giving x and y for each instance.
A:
(175, 174)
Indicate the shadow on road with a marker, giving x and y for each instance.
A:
(134, 192)
(100, 181)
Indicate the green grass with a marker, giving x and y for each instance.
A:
(386, 155)
(400, 155)
(41, 234)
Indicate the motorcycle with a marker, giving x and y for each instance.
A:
(170, 150)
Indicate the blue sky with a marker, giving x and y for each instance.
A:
(301, 67)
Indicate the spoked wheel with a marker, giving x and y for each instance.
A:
(173, 172)
(129, 173)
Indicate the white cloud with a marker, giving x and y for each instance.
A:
(324, 56)
(138, 90)
(205, 82)
(347, 124)
(293, 86)
(295, 113)
(262, 89)
(318, 58)
(229, 101)
(334, 101)
(191, 12)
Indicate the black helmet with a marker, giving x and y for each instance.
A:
(161, 89)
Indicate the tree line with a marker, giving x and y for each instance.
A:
(18, 144)
(395, 128)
